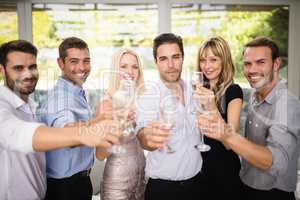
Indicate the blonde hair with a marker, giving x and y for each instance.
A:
(219, 48)
(114, 81)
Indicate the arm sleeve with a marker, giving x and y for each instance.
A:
(60, 118)
(233, 91)
(59, 108)
(282, 143)
(283, 139)
(16, 134)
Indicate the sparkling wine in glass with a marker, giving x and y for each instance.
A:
(129, 87)
(168, 108)
(197, 80)
(122, 103)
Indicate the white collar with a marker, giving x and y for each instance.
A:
(13, 99)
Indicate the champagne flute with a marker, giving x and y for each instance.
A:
(122, 103)
(197, 80)
(168, 108)
(129, 87)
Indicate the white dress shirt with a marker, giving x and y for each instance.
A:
(186, 161)
(23, 174)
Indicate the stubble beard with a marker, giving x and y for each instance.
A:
(16, 87)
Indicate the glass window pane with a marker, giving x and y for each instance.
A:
(236, 23)
(105, 27)
(9, 22)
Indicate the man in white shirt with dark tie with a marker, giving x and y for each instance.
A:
(173, 163)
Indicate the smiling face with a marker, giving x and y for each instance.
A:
(210, 65)
(259, 68)
(169, 60)
(20, 73)
(129, 67)
(76, 66)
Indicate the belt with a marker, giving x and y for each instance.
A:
(196, 178)
(83, 173)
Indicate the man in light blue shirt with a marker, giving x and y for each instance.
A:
(68, 169)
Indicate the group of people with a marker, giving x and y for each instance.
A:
(50, 155)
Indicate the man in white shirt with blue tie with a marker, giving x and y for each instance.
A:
(173, 163)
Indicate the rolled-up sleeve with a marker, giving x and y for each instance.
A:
(60, 118)
(282, 142)
(16, 134)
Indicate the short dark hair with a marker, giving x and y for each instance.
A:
(167, 38)
(263, 41)
(16, 45)
(71, 42)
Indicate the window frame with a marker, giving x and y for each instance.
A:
(24, 10)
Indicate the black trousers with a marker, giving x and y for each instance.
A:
(77, 187)
(158, 189)
(274, 194)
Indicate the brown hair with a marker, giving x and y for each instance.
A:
(16, 45)
(220, 48)
(68, 43)
(263, 41)
(167, 38)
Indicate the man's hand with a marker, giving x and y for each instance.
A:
(153, 136)
(212, 125)
(104, 133)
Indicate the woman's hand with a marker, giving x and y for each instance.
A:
(206, 98)
(213, 126)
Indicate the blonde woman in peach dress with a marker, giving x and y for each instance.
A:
(123, 176)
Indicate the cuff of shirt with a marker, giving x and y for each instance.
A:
(25, 140)
(279, 163)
